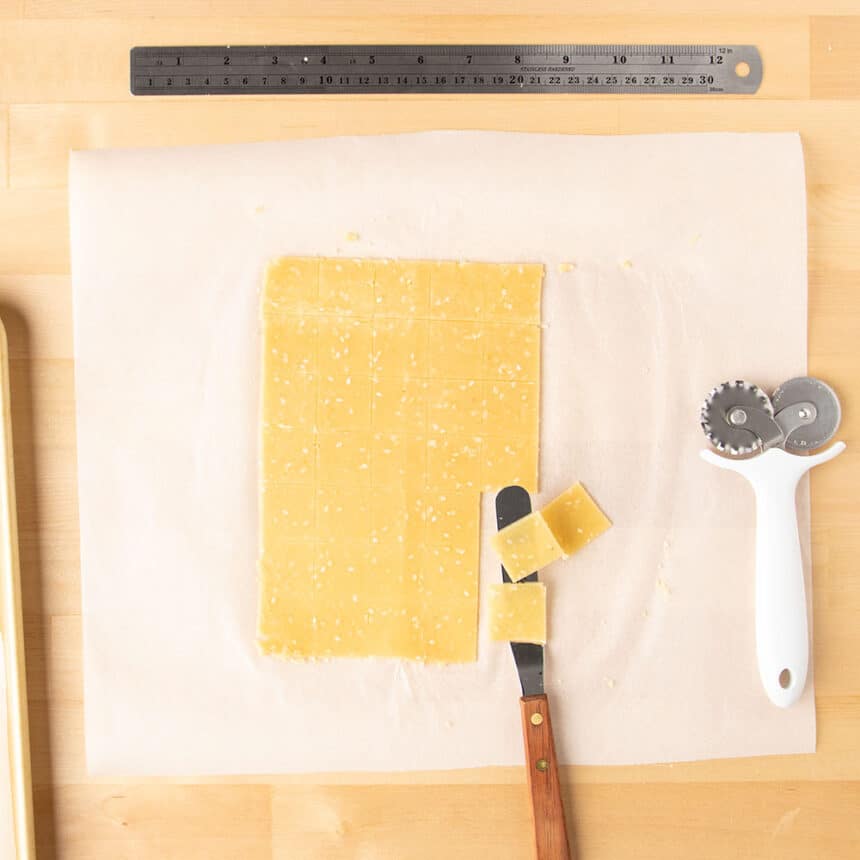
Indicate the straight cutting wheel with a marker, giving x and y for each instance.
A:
(818, 411)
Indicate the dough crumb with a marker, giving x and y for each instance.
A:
(661, 584)
(610, 682)
(352, 236)
(566, 267)
(644, 613)
(259, 210)
(696, 239)
(627, 264)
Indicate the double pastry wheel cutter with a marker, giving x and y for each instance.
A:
(768, 440)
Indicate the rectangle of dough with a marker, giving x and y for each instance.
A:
(575, 519)
(526, 545)
(393, 393)
(518, 612)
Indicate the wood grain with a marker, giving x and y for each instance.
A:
(341, 8)
(38, 219)
(706, 821)
(834, 55)
(168, 822)
(774, 807)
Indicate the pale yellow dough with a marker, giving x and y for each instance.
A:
(393, 392)
(518, 612)
(563, 527)
(575, 519)
(526, 545)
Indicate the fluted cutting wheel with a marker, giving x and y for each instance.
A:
(719, 405)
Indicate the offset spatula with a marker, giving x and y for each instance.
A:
(513, 503)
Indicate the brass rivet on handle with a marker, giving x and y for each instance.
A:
(541, 764)
(537, 719)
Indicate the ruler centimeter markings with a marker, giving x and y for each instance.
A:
(448, 69)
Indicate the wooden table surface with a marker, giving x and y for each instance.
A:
(64, 84)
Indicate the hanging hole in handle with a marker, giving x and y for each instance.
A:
(785, 679)
(742, 69)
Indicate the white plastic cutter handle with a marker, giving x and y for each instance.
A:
(782, 634)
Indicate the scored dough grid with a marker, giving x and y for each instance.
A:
(381, 383)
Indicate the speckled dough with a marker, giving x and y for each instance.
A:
(526, 545)
(393, 393)
(561, 528)
(518, 612)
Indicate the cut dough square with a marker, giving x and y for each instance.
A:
(456, 349)
(288, 455)
(450, 573)
(292, 286)
(344, 457)
(346, 286)
(515, 296)
(391, 633)
(344, 404)
(575, 519)
(513, 352)
(526, 545)
(456, 406)
(400, 405)
(447, 630)
(398, 460)
(344, 347)
(388, 602)
(292, 344)
(342, 513)
(518, 612)
(390, 521)
(402, 289)
(456, 291)
(451, 518)
(512, 407)
(509, 460)
(373, 455)
(400, 348)
(287, 516)
(287, 605)
(340, 567)
(454, 462)
(290, 402)
(449, 586)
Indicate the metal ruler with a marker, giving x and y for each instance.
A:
(449, 69)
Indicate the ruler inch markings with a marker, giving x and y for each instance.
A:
(445, 69)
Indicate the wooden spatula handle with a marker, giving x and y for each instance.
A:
(542, 768)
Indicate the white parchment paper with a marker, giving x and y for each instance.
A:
(690, 268)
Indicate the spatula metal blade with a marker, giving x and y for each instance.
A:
(513, 503)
